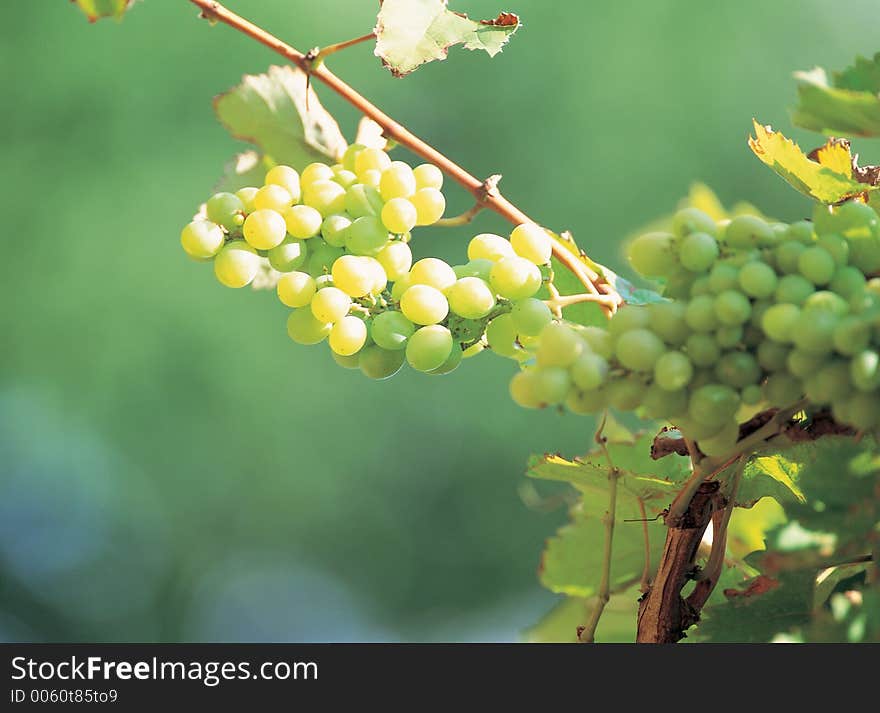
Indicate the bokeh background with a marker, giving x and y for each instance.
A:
(172, 467)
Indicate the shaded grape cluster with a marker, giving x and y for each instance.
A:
(757, 315)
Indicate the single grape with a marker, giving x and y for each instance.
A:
(237, 264)
(751, 395)
(729, 336)
(832, 381)
(550, 384)
(470, 297)
(732, 308)
(836, 246)
(396, 259)
(371, 177)
(589, 371)
(434, 272)
(723, 442)
(287, 178)
(315, 172)
(246, 196)
(424, 304)
(667, 321)
(264, 229)
(303, 328)
(428, 175)
(225, 209)
(289, 256)
(321, 257)
(430, 205)
(639, 349)
(793, 289)
(665, 405)
(352, 361)
(453, 361)
(738, 369)
(530, 316)
(391, 330)
(627, 318)
(350, 155)
(326, 196)
(851, 335)
(272, 197)
(700, 314)
(344, 177)
(702, 349)
(788, 257)
(814, 331)
(398, 181)
(559, 345)
(302, 221)
(724, 276)
(352, 274)
(378, 363)
(653, 254)
(862, 411)
(532, 242)
(817, 265)
(296, 289)
(781, 390)
(780, 320)
(700, 286)
(401, 285)
(826, 301)
(501, 337)
(330, 304)
(202, 239)
(757, 279)
(748, 231)
(429, 347)
(361, 200)
(584, 402)
(515, 278)
(334, 230)
(523, 391)
(626, 393)
(399, 216)
(673, 371)
(481, 267)
(847, 282)
(598, 340)
(698, 252)
(366, 236)
(380, 278)
(487, 246)
(348, 335)
(371, 160)
(772, 356)
(865, 370)
(713, 404)
(801, 232)
(692, 220)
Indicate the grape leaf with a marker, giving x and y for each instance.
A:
(748, 527)
(631, 294)
(370, 134)
(96, 9)
(410, 33)
(559, 625)
(810, 177)
(280, 114)
(848, 105)
(246, 169)
(773, 475)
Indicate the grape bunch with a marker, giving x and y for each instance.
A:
(339, 237)
(757, 315)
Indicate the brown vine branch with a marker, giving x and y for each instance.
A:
(213, 10)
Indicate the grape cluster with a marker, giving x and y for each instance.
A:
(758, 315)
(339, 237)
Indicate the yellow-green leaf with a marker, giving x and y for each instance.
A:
(847, 105)
(96, 9)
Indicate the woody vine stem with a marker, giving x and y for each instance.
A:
(485, 193)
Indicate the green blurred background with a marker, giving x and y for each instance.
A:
(172, 467)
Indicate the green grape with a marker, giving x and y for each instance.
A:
(352, 274)
(700, 314)
(344, 177)
(396, 259)
(325, 196)
(371, 160)
(662, 404)
(780, 320)
(584, 402)
(639, 349)
(757, 279)
(748, 231)
(362, 200)
(399, 216)
(264, 229)
(696, 430)
(429, 204)
(391, 330)
(501, 337)
(814, 331)
(864, 251)
(429, 347)
(434, 272)
(826, 301)
(700, 286)
(698, 252)
(702, 349)
(380, 278)
(758, 310)
(398, 181)
(423, 304)
(487, 246)
(559, 346)
(400, 287)
(851, 335)
(667, 321)
(550, 384)
(801, 232)
(653, 254)
(225, 209)
(366, 236)
(287, 178)
(723, 277)
(817, 265)
(481, 267)
(850, 218)
(237, 264)
(348, 158)
(302, 221)
(862, 411)
(589, 371)
(865, 370)
(453, 361)
(315, 172)
(289, 256)
(738, 369)
(847, 282)
(296, 289)
(523, 391)
(330, 304)
(515, 278)
(531, 242)
(427, 175)
(348, 335)
(629, 317)
(371, 177)
(625, 394)
(832, 381)
(202, 239)
(530, 316)
(713, 404)
(772, 356)
(692, 220)
(751, 395)
(322, 257)
(793, 289)
(723, 442)
(598, 340)
(272, 197)
(352, 361)
(378, 363)
(732, 308)
(246, 196)
(303, 328)
(678, 284)
(470, 297)
(673, 371)
(836, 246)
(780, 230)
(788, 257)
(782, 390)
(728, 337)
(334, 230)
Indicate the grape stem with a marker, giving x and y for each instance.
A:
(319, 53)
(213, 10)
(459, 220)
(559, 302)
